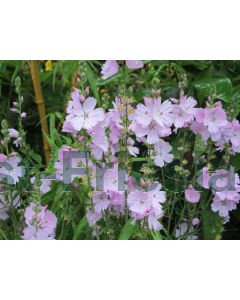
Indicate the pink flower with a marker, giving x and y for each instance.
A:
(147, 204)
(83, 116)
(195, 221)
(235, 135)
(139, 201)
(99, 145)
(12, 171)
(41, 223)
(100, 201)
(163, 112)
(68, 127)
(134, 64)
(204, 178)
(191, 195)
(161, 153)
(214, 119)
(143, 114)
(109, 69)
(131, 149)
(45, 186)
(93, 217)
(152, 120)
(23, 114)
(5, 205)
(13, 133)
(183, 113)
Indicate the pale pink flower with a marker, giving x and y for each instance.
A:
(45, 186)
(204, 178)
(23, 114)
(13, 133)
(99, 145)
(163, 112)
(93, 217)
(147, 204)
(84, 116)
(161, 153)
(195, 221)
(12, 171)
(214, 119)
(134, 64)
(183, 113)
(109, 68)
(41, 223)
(143, 114)
(191, 195)
(100, 201)
(131, 149)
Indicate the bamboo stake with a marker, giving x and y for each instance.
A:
(41, 106)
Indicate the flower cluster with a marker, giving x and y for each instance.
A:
(149, 123)
(226, 193)
(41, 223)
(146, 204)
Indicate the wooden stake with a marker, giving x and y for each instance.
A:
(41, 106)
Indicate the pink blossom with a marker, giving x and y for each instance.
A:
(41, 223)
(83, 116)
(99, 145)
(204, 178)
(45, 186)
(191, 195)
(147, 204)
(195, 221)
(183, 113)
(100, 201)
(93, 217)
(13, 133)
(161, 153)
(214, 119)
(163, 112)
(12, 170)
(109, 68)
(131, 149)
(143, 114)
(134, 64)
(23, 114)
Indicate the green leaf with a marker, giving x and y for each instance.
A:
(35, 156)
(92, 81)
(212, 225)
(199, 147)
(79, 228)
(235, 162)
(156, 235)
(223, 88)
(127, 231)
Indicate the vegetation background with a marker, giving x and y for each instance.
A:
(199, 79)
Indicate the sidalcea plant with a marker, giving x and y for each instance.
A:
(154, 169)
